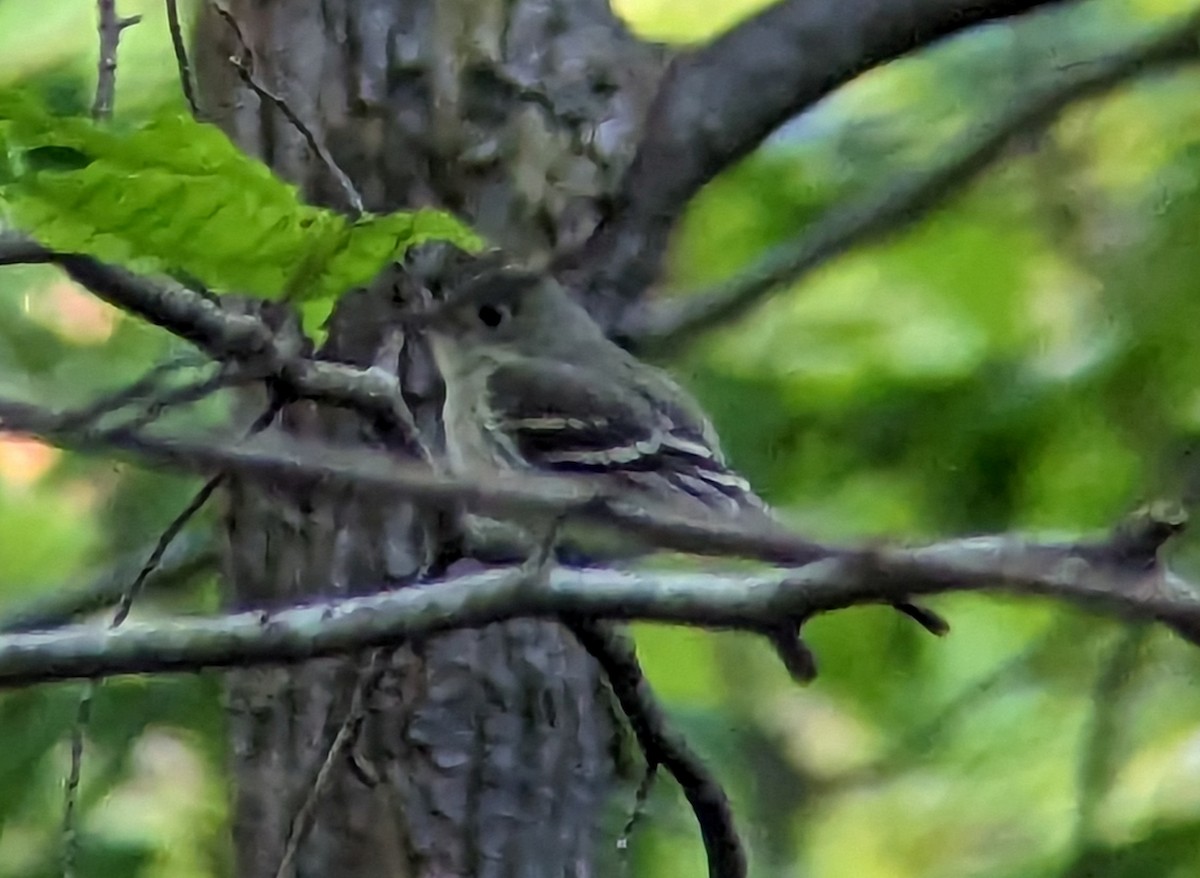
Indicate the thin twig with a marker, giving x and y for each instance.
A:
(181, 57)
(532, 498)
(149, 384)
(91, 688)
(165, 539)
(110, 28)
(187, 560)
(353, 199)
(538, 496)
(641, 798)
(1098, 750)
(70, 831)
(231, 21)
(124, 607)
(187, 394)
(177, 524)
(347, 732)
(243, 64)
(682, 318)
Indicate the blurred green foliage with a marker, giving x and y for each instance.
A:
(1023, 359)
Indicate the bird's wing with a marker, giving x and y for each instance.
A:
(563, 417)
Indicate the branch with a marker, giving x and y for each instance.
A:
(663, 746)
(243, 65)
(347, 733)
(110, 28)
(1099, 752)
(898, 206)
(136, 393)
(531, 498)
(181, 57)
(186, 560)
(716, 104)
(225, 335)
(1101, 575)
(525, 496)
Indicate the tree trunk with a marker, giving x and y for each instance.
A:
(482, 752)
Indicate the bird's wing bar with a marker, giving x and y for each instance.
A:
(562, 417)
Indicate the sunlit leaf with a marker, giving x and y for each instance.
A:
(175, 195)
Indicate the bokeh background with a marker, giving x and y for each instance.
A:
(1028, 357)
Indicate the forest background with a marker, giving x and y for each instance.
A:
(1026, 358)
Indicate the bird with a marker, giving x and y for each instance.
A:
(533, 385)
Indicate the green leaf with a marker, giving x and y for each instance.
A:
(175, 195)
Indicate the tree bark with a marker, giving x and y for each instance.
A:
(482, 752)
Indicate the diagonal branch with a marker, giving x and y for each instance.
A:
(185, 562)
(1103, 576)
(909, 200)
(179, 46)
(536, 497)
(716, 104)
(244, 65)
(137, 392)
(664, 746)
(225, 335)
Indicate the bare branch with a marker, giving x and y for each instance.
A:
(243, 64)
(182, 311)
(124, 607)
(1089, 574)
(528, 497)
(149, 384)
(187, 560)
(225, 335)
(1098, 752)
(898, 206)
(125, 604)
(716, 104)
(175, 527)
(664, 746)
(110, 28)
(155, 559)
(348, 730)
(70, 833)
(542, 497)
(86, 417)
(181, 57)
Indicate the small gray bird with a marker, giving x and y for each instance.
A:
(534, 385)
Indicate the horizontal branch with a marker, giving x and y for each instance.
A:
(717, 103)
(296, 461)
(901, 204)
(1120, 576)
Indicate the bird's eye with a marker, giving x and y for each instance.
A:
(492, 316)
